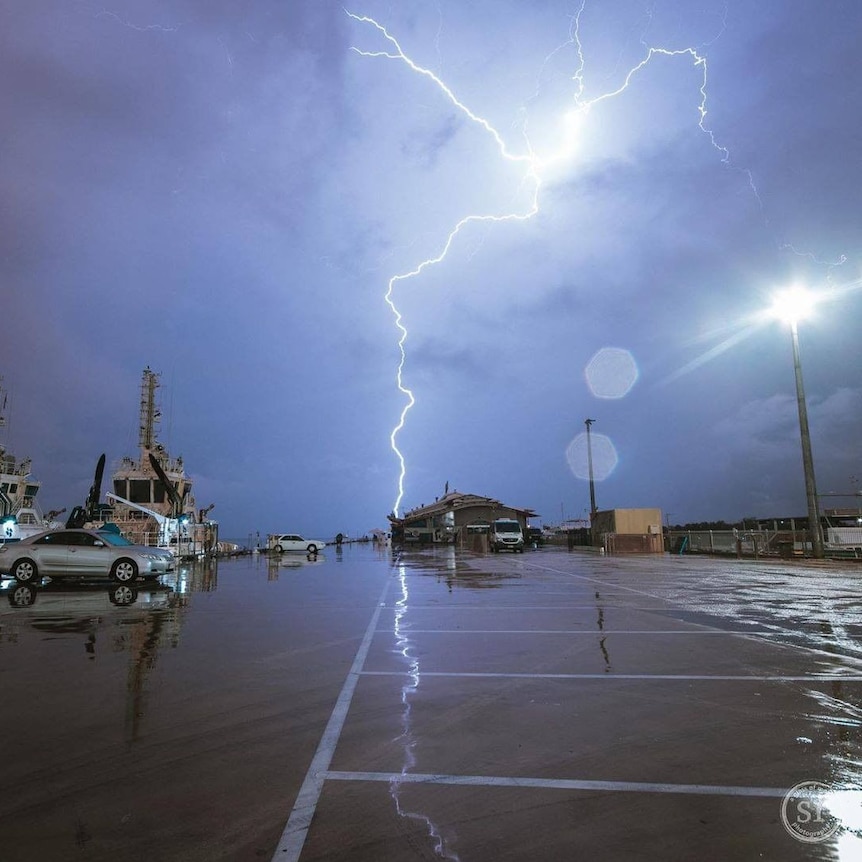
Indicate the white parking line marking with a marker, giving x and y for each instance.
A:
(609, 584)
(559, 784)
(513, 607)
(295, 832)
(811, 677)
(596, 632)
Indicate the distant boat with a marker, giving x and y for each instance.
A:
(151, 497)
(20, 513)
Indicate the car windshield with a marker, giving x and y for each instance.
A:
(508, 527)
(114, 539)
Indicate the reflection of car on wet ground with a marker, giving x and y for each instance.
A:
(281, 542)
(92, 598)
(106, 617)
(296, 561)
(82, 553)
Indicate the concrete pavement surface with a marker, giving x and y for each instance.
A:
(376, 705)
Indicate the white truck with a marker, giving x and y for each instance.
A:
(506, 533)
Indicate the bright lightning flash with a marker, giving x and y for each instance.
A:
(536, 167)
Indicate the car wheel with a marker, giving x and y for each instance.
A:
(279, 549)
(22, 596)
(124, 571)
(312, 549)
(122, 595)
(24, 571)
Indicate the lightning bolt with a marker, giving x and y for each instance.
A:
(535, 165)
(107, 13)
(411, 399)
(397, 53)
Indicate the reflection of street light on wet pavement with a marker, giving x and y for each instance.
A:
(792, 306)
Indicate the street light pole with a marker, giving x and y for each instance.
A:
(807, 459)
(593, 509)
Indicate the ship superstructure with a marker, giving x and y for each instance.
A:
(152, 497)
(20, 514)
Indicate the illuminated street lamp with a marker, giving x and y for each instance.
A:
(792, 306)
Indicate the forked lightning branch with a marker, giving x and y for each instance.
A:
(535, 164)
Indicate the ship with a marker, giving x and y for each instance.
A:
(20, 512)
(152, 501)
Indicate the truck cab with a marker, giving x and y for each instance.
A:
(506, 533)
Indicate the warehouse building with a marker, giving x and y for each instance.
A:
(455, 518)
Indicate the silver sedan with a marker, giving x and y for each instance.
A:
(82, 554)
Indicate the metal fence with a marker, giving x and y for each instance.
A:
(750, 543)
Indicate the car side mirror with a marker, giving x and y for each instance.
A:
(98, 544)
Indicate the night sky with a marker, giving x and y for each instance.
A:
(223, 191)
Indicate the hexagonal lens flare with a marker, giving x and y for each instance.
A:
(605, 457)
(611, 373)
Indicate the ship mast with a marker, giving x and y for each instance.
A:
(150, 414)
(157, 485)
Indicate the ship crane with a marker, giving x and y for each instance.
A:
(168, 527)
(202, 513)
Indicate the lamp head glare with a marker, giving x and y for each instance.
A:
(793, 304)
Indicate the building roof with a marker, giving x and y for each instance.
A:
(456, 500)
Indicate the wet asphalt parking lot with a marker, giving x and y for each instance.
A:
(552, 705)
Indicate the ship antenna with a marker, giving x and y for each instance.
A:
(149, 413)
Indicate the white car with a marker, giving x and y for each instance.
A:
(291, 542)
